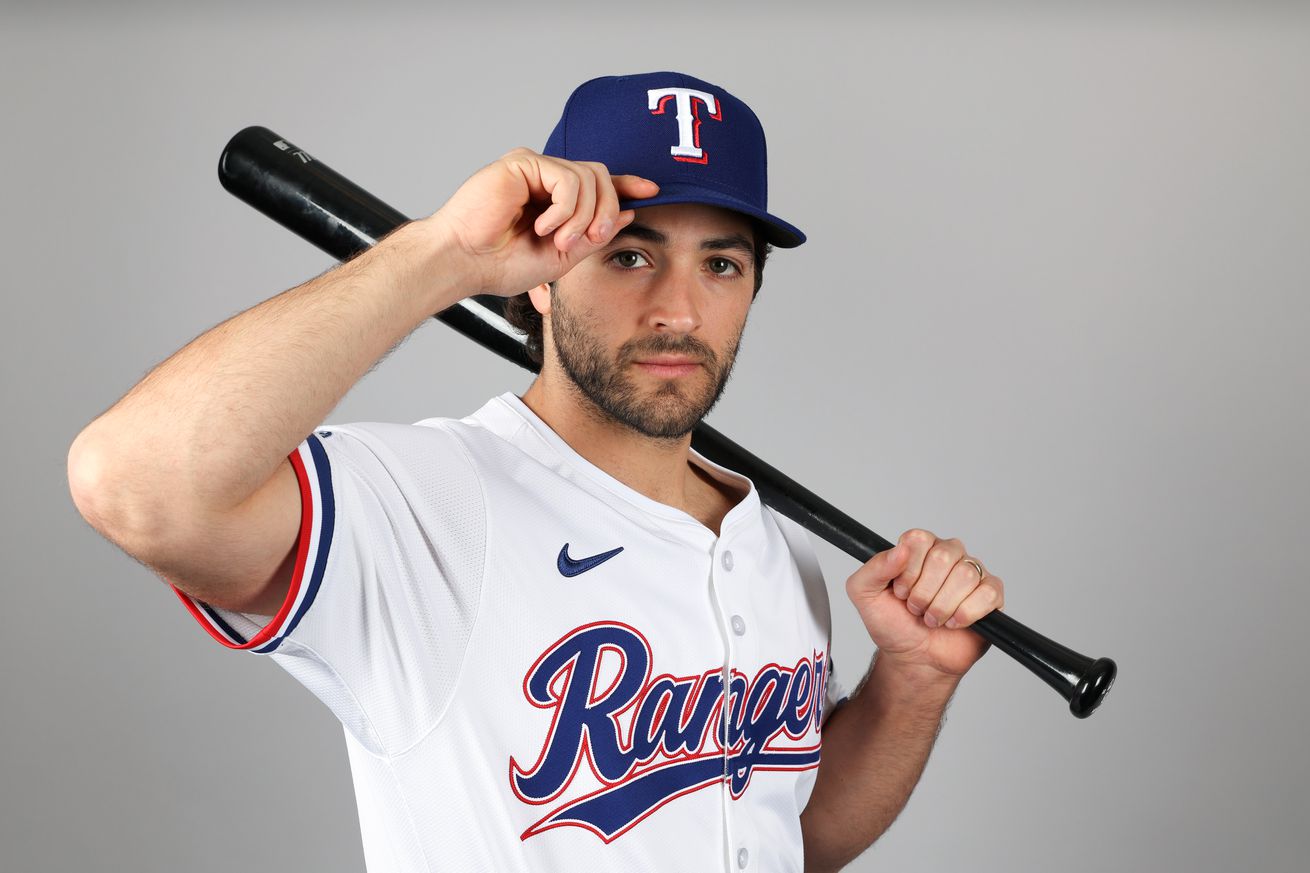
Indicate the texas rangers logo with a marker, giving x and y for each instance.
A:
(649, 740)
(688, 102)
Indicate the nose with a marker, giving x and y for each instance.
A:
(673, 305)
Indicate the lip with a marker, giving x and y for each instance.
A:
(669, 366)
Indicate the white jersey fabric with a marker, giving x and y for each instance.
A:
(533, 662)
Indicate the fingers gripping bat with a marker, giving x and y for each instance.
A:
(305, 196)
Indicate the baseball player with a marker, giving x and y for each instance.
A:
(556, 636)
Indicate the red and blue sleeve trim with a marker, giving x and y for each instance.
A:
(317, 522)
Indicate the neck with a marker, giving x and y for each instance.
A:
(655, 467)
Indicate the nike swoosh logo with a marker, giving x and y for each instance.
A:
(569, 567)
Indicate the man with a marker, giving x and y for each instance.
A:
(556, 637)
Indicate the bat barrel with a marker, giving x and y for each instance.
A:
(326, 209)
(315, 202)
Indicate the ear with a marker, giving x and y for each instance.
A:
(540, 297)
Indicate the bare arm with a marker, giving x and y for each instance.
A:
(875, 747)
(188, 472)
(200, 435)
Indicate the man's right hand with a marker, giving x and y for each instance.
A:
(528, 218)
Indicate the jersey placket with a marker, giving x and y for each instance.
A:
(730, 574)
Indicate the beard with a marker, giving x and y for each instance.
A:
(669, 411)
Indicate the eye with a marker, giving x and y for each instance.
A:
(723, 267)
(628, 259)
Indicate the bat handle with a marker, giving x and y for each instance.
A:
(1080, 680)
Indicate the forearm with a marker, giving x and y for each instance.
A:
(874, 751)
(211, 424)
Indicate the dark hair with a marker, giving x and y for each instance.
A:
(520, 312)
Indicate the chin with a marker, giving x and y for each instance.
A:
(669, 413)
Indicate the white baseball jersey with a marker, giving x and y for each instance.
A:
(539, 668)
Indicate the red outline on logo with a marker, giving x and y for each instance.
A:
(696, 103)
(582, 750)
(714, 727)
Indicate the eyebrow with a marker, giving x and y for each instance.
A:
(733, 241)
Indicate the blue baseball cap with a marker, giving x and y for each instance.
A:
(699, 143)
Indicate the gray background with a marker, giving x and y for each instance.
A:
(1053, 304)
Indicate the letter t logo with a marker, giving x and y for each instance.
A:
(688, 147)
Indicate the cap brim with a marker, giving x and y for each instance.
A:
(777, 232)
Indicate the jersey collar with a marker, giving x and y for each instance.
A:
(507, 416)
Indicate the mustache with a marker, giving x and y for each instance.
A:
(669, 345)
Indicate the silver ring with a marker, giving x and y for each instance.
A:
(982, 574)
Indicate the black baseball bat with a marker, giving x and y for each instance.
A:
(317, 203)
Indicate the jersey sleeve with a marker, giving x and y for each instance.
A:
(388, 573)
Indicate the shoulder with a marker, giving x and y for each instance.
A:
(388, 439)
(388, 457)
(799, 543)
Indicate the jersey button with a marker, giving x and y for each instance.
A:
(739, 628)
(727, 561)
(743, 858)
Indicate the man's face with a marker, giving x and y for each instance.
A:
(648, 327)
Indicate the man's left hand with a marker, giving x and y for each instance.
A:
(917, 599)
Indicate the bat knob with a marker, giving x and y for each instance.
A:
(1092, 687)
